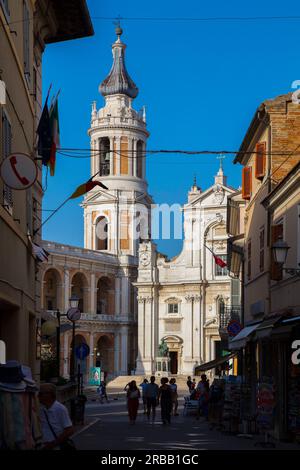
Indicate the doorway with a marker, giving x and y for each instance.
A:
(173, 362)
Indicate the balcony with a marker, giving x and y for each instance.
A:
(93, 317)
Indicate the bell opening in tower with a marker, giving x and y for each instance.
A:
(104, 157)
(102, 234)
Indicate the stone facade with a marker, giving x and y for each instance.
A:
(179, 301)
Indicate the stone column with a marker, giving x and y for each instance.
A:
(117, 295)
(125, 295)
(124, 349)
(196, 329)
(130, 157)
(134, 147)
(111, 156)
(116, 353)
(93, 292)
(67, 289)
(118, 155)
(91, 357)
(144, 161)
(140, 368)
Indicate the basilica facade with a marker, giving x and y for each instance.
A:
(130, 296)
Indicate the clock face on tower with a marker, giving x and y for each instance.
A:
(145, 258)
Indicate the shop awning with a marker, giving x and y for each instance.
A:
(265, 329)
(240, 340)
(216, 362)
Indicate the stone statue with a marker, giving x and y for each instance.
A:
(163, 350)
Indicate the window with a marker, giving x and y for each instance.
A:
(5, 8)
(101, 234)
(247, 182)
(262, 249)
(249, 260)
(172, 308)
(104, 157)
(276, 234)
(26, 41)
(219, 271)
(6, 150)
(260, 160)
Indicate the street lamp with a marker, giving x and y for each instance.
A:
(280, 250)
(73, 314)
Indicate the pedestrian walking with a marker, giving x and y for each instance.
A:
(102, 392)
(57, 427)
(151, 394)
(203, 400)
(189, 383)
(133, 395)
(173, 387)
(143, 386)
(165, 398)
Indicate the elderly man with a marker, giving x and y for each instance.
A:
(56, 424)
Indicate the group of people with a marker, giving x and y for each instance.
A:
(209, 398)
(152, 395)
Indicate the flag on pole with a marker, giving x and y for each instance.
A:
(219, 261)
(55, 139)
(44, 135)
(39, 252)
(86, 187)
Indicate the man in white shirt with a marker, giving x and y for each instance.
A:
(56, 424)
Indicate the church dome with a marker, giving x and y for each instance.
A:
(118, 81)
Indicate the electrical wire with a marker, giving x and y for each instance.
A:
(182, 18)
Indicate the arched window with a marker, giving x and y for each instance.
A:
(104, 156)
(140, 159)
(105, 296)
(102, 234)
(80, 290)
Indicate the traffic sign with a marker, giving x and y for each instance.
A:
(18, 171)
(82, 351)
(73, 314)
(234, 327)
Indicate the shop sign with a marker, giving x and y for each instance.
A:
(95, 376)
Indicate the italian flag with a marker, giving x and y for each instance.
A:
(54, 125)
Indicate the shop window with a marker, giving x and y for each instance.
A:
(247, 182)
(260, 160)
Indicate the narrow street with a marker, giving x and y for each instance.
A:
(107, 428)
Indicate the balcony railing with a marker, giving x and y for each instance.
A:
(227, 314)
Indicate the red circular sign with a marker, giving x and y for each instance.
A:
(18, 171)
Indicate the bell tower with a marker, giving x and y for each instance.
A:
(116, 219)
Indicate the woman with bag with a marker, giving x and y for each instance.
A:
(133, 395)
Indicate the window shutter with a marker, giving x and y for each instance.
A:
(260, 160)
(6, 150)
(276, 269)
(247, 182)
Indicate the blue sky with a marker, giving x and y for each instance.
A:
(200, 81)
